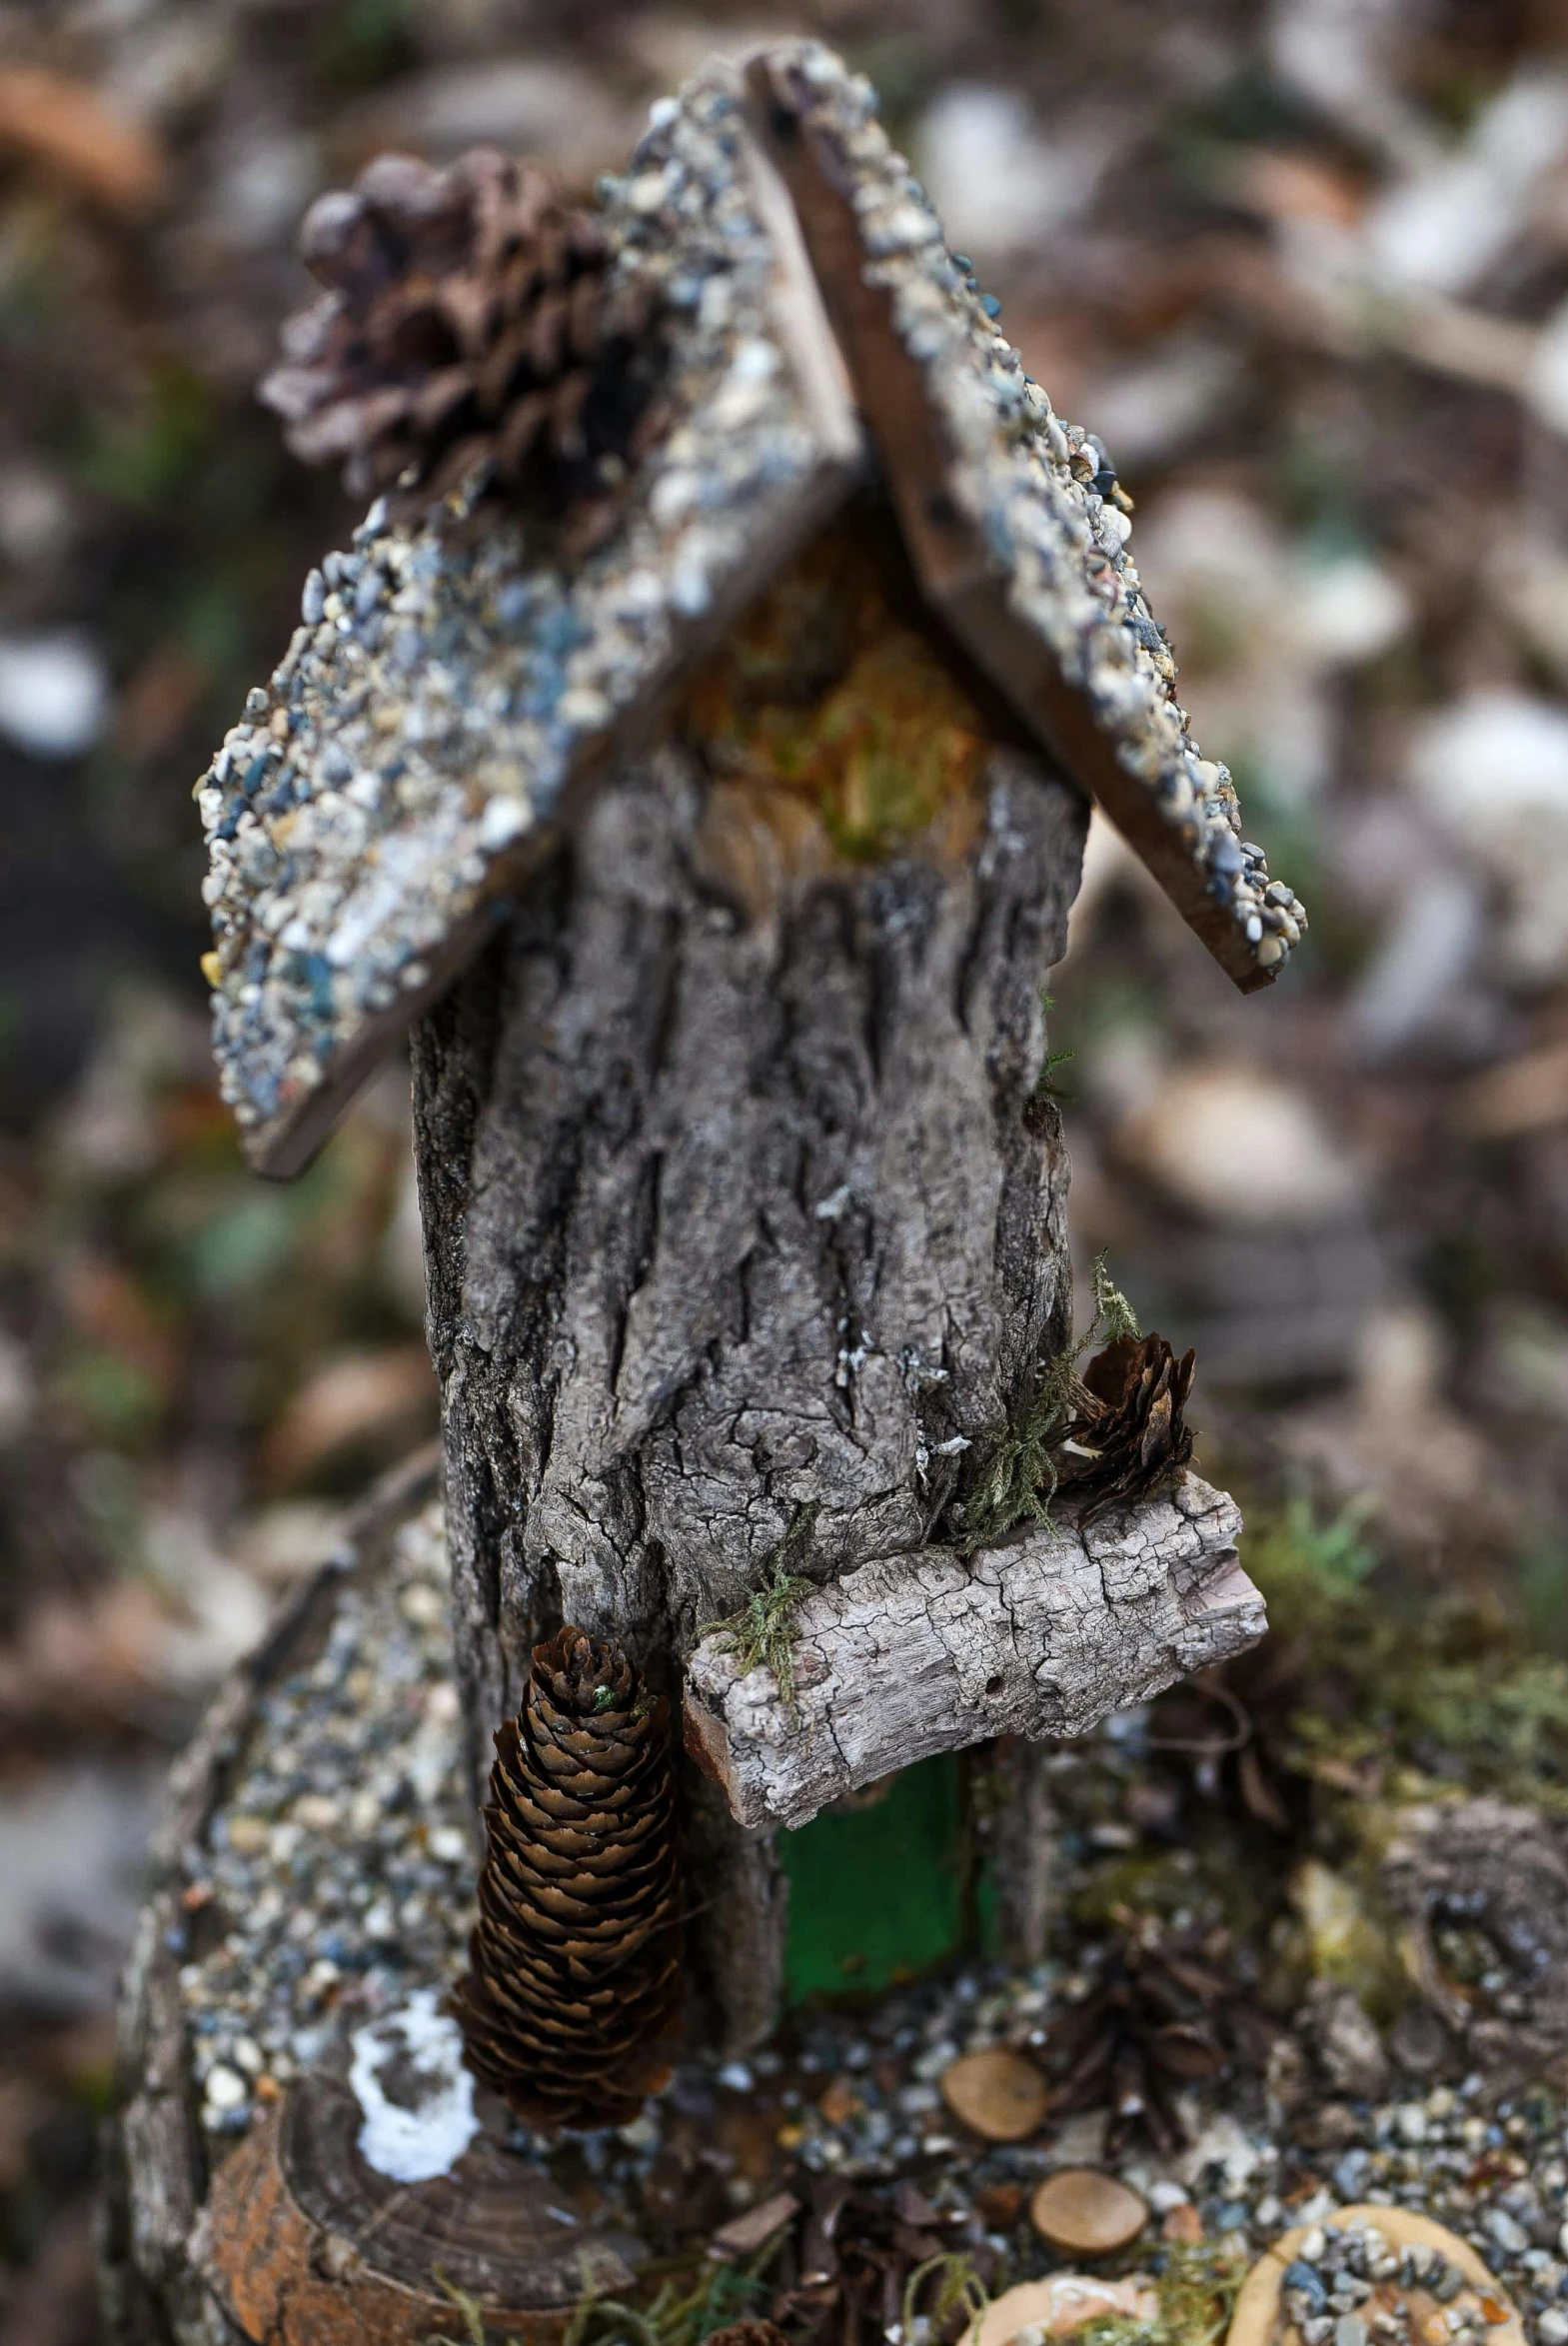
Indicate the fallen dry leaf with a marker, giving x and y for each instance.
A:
(357, 1398)
(64, 128)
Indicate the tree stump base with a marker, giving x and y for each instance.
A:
(300, 2156)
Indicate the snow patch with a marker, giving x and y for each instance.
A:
(413, 2143)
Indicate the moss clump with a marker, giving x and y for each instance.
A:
(825, 699)
(1436, 1696)
(764, 1630)
(1018, 1480)
(1197, 2291)
(688, 2300)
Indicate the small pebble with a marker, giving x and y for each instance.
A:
(1182, 2224)
(224, 2089)
(1305, 2277)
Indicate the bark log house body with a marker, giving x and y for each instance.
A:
(743, 1203)
(743, 1206)
(746, 1211)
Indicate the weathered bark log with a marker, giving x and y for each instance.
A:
(913, 1656)
(745, 1221)
(732, 1217)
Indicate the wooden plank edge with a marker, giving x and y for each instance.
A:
(1167, 1579)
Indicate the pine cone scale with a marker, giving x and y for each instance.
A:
(574, 1857)
(569, 2024)
(337, 431)
(589, 1894)
(1128, 1436)
(572, 1922)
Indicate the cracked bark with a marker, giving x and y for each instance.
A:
(1042, 1635)
(740, 1200)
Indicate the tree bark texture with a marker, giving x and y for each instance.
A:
(745, 1226)
(735, 1213)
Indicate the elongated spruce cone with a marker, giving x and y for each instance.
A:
(575, 1975)
(1128, 1436)
(472, 317)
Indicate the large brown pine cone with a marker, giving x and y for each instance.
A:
(575, 1974)
(471, 318)
(1128, 1434)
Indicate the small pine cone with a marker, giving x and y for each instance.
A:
(1128, 1436)
(575, 1963)
(472, 319)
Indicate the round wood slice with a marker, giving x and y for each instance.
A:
(997, 2094)
(1087, 2212)
(1256, 2318)
(1061, 2304)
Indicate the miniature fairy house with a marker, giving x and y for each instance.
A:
(694, 754)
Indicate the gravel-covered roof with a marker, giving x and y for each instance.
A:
(453, 680)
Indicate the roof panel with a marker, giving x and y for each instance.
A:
(452, 684)
(1009, 533)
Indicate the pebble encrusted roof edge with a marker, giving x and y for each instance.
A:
(1011, 514)
(419, 745)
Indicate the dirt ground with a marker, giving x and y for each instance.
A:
(1304, 269)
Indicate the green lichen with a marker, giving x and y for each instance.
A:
(469, 2311)
(678, 2303)
(948, 2283)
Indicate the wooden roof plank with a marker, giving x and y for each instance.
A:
(831, 168)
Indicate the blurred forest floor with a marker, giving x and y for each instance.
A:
(1304, 269)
